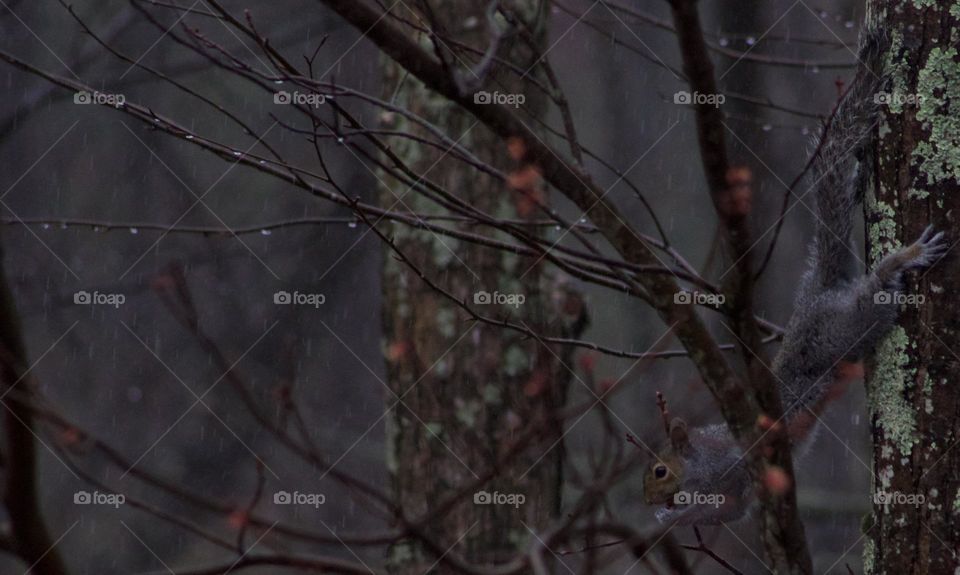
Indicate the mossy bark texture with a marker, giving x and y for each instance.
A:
(468, 390)
(913, 389)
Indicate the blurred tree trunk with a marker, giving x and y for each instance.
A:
(913, 387)
(27, 536)
(467, 390)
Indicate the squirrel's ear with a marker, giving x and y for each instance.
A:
(678, 435)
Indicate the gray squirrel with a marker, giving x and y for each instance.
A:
(700, 477)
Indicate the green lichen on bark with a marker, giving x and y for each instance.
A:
(868, 552)
(938, 83)
(896, 68)
(882, 229)
(889, 384)
(891, 376)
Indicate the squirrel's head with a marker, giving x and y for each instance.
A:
(664, 475)
(698, 477)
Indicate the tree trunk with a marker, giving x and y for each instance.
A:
(912, 388)
(28, 535)
(467, 390)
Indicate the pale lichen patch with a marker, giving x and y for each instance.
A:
(868, 552)
(938, 85)
(491, 395)
(889, 384)
(882, 230)
(516, 361)
(896, 68)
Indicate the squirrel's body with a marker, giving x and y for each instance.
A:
(839, 318)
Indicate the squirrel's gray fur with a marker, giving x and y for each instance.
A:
(836, 317)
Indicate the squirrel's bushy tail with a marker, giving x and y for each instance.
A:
(833, 170)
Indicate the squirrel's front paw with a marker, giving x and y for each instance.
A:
(927, 250)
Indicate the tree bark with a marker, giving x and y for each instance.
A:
(467, 390)
(912, 388)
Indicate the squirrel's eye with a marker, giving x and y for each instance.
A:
(660, 471)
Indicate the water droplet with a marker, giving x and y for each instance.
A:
(265, 232)
(805, 131)
(848, 24)
(45, 226)
(767, 127)
(823, 14)
(815, 69)
(278, 81)
(262, 162)
(238, 154)
(134, 231)
(724, 41)
(352, 225)
(339, 140)
(189, 136)
(97, 229)
(63, 226)
(751, 40)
